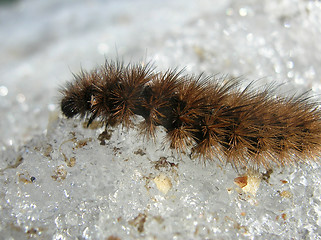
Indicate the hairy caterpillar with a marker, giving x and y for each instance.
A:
(213, 117)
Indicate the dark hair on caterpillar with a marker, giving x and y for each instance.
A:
(212, 117)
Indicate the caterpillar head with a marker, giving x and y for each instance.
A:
(76, 101)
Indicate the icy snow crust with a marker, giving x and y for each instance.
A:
(76, 182)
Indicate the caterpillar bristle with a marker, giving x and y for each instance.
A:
(215, 118)
(156, 101)
(126, 93)
(118, 93)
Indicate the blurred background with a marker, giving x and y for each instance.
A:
(43, 42)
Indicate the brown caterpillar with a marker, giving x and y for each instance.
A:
(247, 128)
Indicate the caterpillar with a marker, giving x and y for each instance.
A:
(213, 118)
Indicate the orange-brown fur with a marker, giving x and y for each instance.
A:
(248, 128)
